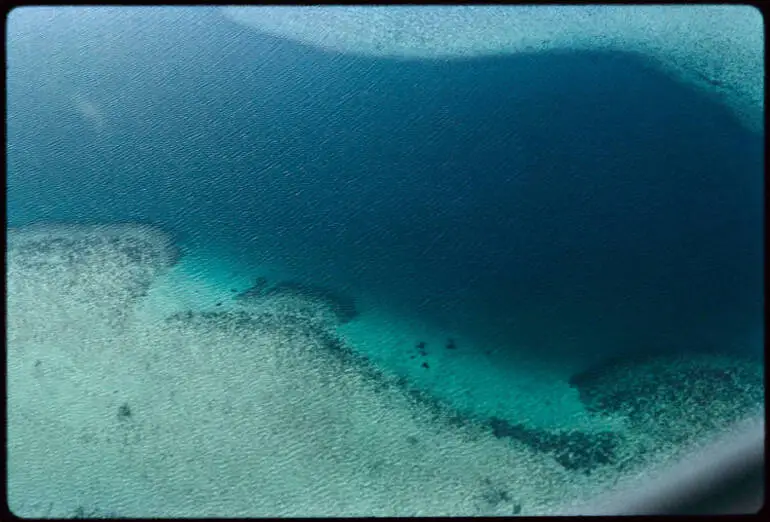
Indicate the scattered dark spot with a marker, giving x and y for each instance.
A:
(219, 304)
(87, 438)
(80, 512)
(516, 509)
(38, 363)
(233, 290)
(411, 440)
(495, 495)
(124, 412)
(421, 345)
(709, 79)
(451, 345)
(376, 466)
(425, 365)
(260, 284)
(412, 356)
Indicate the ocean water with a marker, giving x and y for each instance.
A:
(523, 217)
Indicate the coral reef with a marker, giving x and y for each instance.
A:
(106, 267)
(677, 399)
(282, 326)
(39, 246)
(299, 298)
(286, 344)
(575, 450)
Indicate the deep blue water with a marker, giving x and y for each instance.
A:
(567, 199)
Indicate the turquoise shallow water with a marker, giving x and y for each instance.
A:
(560, 214)
(119, 360)
(478, 377)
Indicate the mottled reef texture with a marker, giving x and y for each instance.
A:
(575, 450)
(300, 296)
(675, 398)
(104, 267)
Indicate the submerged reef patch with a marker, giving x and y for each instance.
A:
(309, 300)
(575, 450)
(39, 246)
(294, 367)
(286, 328)
(105, 267)
(297, 333)
(676, 398)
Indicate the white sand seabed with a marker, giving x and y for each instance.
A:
(149, 418)
(719, 49)
(521, 391)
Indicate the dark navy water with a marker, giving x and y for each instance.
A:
(566, 201)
